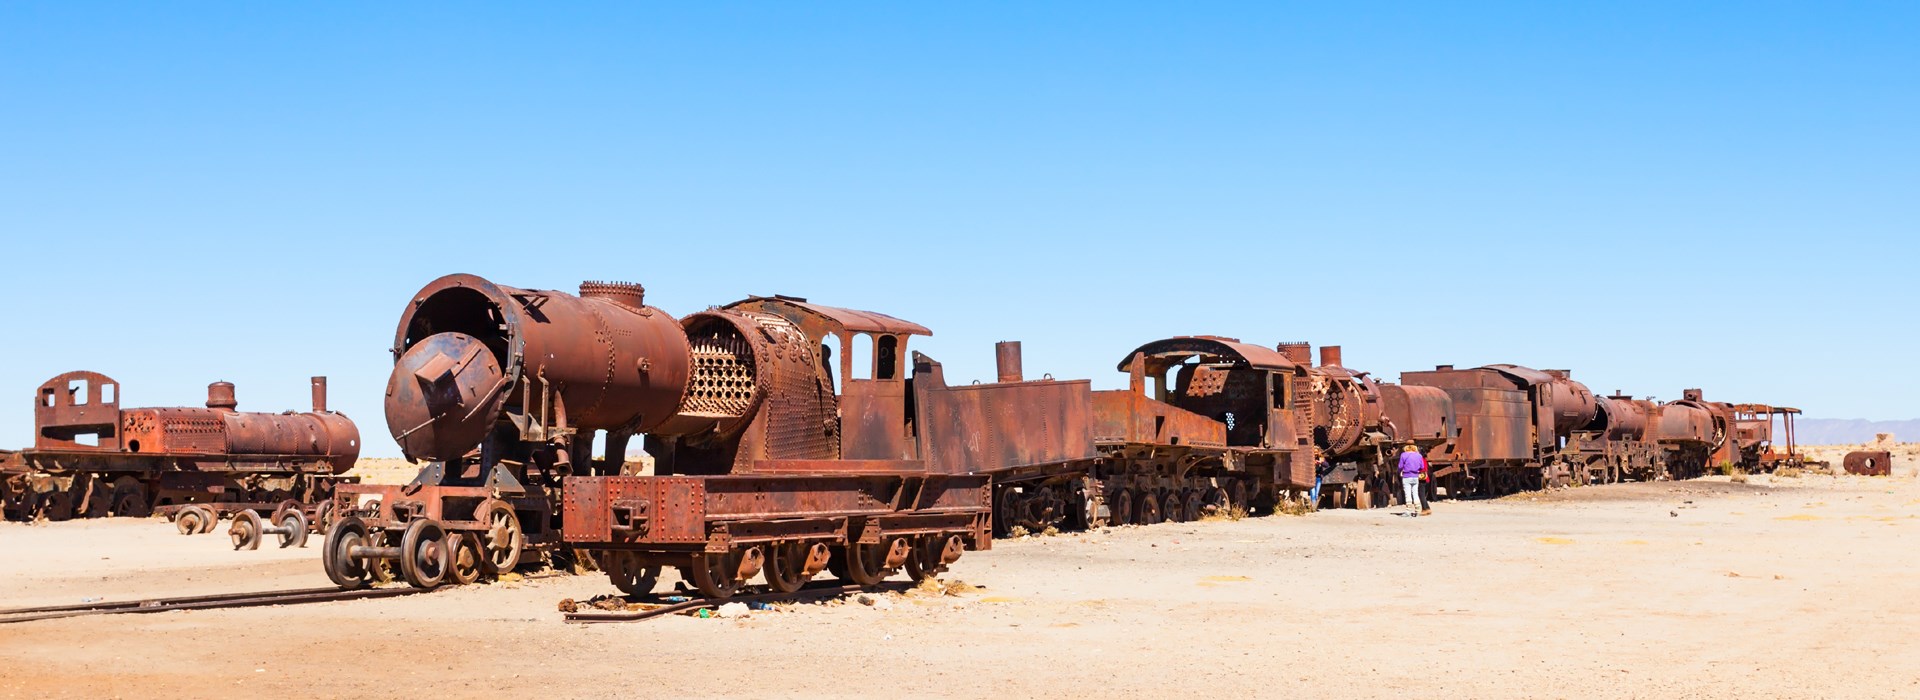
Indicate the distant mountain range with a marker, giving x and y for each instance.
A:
(1842, 431)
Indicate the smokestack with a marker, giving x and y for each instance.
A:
(1690, 395)
(319, 394)
(1330, 356)
(1296, 352)
(1443, 368)
(220, 396)
(1006, 356)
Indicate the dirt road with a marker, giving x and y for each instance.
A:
(1795, 588)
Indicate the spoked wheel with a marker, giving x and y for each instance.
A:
(867, 563)
(931, 554)
(188, 520)
(1007, 510)
(504, 537)
(464, 568)
(1120, 507)
(323, 516)
(1215, 501)
(293, 525)
(130, 499)
(713, 574)
(1147, 508)
(424, 558)
(787, 566)
(1236, 493)
(245, 531)
(1196, 505)
(56, 506)
(344, 570)
(626, 573)
(1174, 505)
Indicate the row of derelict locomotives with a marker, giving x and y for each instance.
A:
(92, 458)
(774, 456)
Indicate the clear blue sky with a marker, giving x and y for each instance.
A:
(1657, 196)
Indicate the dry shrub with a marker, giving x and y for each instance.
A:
(1790, 472)
(1017, 531)
(1227, 513)
(1289, 506)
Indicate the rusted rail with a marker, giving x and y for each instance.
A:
(203, 602)
(819, 591)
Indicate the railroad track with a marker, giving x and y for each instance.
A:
(203, 602)
(819, 591)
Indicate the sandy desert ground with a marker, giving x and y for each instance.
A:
(1803, 587)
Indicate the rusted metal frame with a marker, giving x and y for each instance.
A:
(401, 504)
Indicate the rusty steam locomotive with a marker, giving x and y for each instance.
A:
(92, 458)
(774, 455)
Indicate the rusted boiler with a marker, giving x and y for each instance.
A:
(92, 457)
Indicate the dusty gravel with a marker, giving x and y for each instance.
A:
(1774, 588)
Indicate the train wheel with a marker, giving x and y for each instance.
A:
(130, 499)
(294, 522)
(56, 506)
(1146, 508)
(424, 557)
(323, 517)
(787, 566)
(713, 574)
(1237, 494)
(209, 519)
(931, 555)
(344, 570)
(625, 573)
(1174, 505)
(1120, 507)
(504, 538)
(463, 566)
(187, 520)
(1196, 504)
(867, 563)
(245, 530)
(1007, 510)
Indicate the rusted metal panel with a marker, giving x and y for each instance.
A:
(1495, 424)
(1869, 462)
(1126, 417)
(873, 420)
(1684, 424)
(992, 427)
(75, 404)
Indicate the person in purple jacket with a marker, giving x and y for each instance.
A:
(1413, 468)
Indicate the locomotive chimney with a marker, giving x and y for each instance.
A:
(220, 396)
(627, 294)
(1006, 356)
(1443, 368)
(1330, 356)
(1296, 352)
(319, 394)
(1690, 395)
